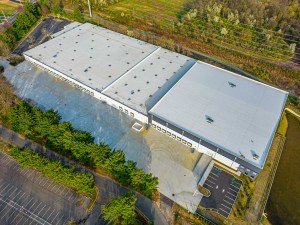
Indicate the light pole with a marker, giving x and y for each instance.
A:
(90, 8)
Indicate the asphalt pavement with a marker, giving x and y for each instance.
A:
(41, 33)
(108, 188)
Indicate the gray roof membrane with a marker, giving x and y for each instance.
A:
(232, 112)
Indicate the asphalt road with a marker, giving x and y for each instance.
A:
(41, 33)
(108, 187)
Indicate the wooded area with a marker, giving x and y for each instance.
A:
(68, 176)
(45, 127)
(256, 27)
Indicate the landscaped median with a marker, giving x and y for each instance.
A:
(68, 176)
(44, 127)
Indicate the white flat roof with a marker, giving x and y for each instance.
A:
(128, 70)
(67, 28)
(145, 84)
(245, 113)
(91, 54)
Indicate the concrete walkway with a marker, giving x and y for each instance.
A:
(108, 187)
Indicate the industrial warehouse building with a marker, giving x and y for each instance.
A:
(231, 118)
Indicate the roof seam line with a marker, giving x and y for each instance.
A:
(132, 68)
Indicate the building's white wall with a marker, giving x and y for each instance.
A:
(130, 112)
(195, 145)
(140, 117)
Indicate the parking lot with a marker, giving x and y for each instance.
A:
(27, 197)
(223, 188)
(41, 33)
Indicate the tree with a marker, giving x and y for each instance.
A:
(121, 210)
(77, 15)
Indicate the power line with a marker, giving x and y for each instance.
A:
(257, 27)
(259, 32)
(245, 52)
(276, 53)
(257, 43)
(235, 31)
(267, 46)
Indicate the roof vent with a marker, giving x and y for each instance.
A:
(242, 155)
(209, 119)
(132, 92)
(231, 84)
(255, 156)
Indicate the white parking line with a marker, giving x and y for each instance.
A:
(49, 184)
(22, 195)
(2, 185)
(9, 209)
(32, 205)
(24, 171)
(54, 187)
(11, 193)
(32, 172)
(228, 202)
(6, 186)
(226, 206)
(231, 194)
(208, 185)
(210, 181)
(16, 165)
(46, 182)
(53, 218)
(16, 195)
(224, 211)
(7, 191)
(58, 187)
(37, 178)
(41, 180)
(235, 186)
(71, 197)
(229, 198)
(61, 220)
(46, 211)
(212, 177)
(28, 202)
(50, 214)
(214, 174)
(41, 209)
(233, 190)
(7, 162)
(36, 208)
(14, 217)
(21, 219)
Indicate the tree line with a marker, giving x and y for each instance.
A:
(27, 17)
(45, 127)
(68, 176)
(255, 27)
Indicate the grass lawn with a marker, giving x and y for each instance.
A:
(163, 12)
(7, 14)
(6, 5)
(283, 203)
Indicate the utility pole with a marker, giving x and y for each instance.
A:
(90, 8)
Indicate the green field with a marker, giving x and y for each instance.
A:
(163, 12)
(284, 199)
(8, 7)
